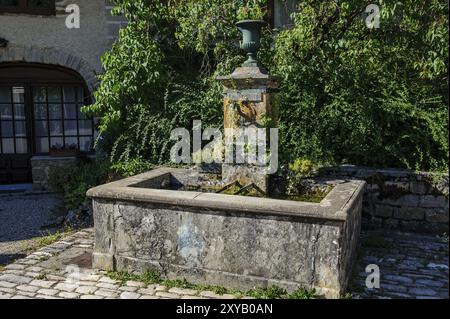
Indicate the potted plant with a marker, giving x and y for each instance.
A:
(58, 150)
(250, 23)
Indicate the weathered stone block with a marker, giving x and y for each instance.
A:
(405, 200)
(391, 223)
(234, 241)
(41, 166)
(433, 201)
(437, 215)
(418, 187)
(409, 213)
(383, 211)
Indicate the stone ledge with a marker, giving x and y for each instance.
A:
(333, 207)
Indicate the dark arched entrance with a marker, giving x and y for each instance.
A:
(39, 112)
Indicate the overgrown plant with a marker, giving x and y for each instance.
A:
(298, 171)
(271, 292)
(253, 10)
(74, 181)
(349, 93)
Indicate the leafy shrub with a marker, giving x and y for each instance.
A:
(349, 94)
(251, 11)
(74, 181)
(132, 167)
(299, 170)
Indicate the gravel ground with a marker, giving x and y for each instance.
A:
(23, 216)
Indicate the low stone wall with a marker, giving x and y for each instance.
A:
(228, 240)
(41, 166)
(401, 199)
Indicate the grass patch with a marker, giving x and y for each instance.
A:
(41, 277)
(48, 239)
(2, 268)
(273, 292)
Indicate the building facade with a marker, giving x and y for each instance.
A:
(48, 71)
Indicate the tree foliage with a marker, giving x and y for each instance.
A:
(349, 94)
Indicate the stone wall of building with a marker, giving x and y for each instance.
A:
(41, 166)
(401, 199)
(46, 39)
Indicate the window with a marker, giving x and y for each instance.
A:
(58, 120)
(38, 7)
(13, 133)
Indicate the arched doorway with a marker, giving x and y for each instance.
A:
(39, 112)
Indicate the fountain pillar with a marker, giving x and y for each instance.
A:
(249, 102)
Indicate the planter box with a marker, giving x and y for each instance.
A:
(234, 241)
(64, 153)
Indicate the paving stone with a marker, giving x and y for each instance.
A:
(149, 297)
(91, 297)
(6, 284)
(26, 293)
(430, 283)
(14, 272)
(210, 294)
(55, 277)
(27, 288)
(164, 294)
(89, 277)
(15, 279)
(147, 291)
(47, 292)
(430, 265)
(412, 266)
(159, 288)
(20, 297)
(129, 289)
(182, 291)
(106, 285)
(399, 279)
(66, 287)
(87, 283)
(32, 274)
(69, 295)
(47, 297)
(15, 267)
(106, 293)
(29, 262)
(422, 292)
(86, 290)
(7, 290)
(43, 283)
(129, 295)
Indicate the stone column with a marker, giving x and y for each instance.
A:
(249, 102)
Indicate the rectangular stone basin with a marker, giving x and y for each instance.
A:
(233, 241)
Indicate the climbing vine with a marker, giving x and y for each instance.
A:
(349, 94)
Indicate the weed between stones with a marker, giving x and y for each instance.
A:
(272, 292)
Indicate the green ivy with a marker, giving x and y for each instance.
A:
(349, 94)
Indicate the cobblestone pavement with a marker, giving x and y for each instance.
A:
(19, 225)
(412, 266)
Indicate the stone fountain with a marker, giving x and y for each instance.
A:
(164, 220)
